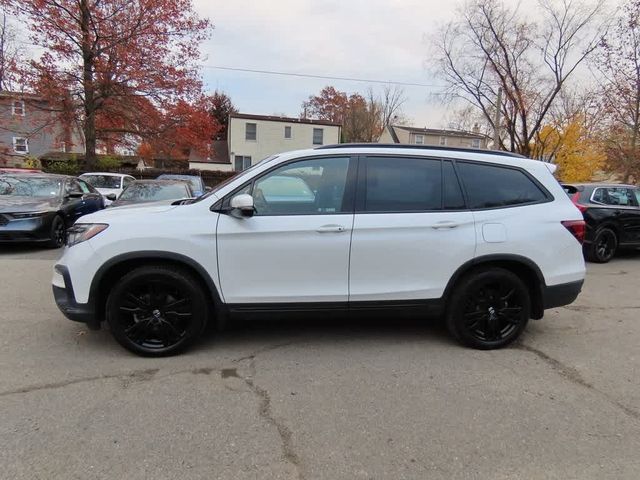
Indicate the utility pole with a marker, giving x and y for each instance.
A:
(496, 121)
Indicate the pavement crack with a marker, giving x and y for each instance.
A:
(126, 378)
(571, 374)
(265, 411)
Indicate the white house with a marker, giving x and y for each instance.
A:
(251, 138)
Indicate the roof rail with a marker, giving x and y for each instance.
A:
(421, 147)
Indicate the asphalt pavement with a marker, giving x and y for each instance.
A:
(389, 398)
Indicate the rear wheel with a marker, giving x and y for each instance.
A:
(603, 247)
(58, 233)
(157, 310)
(489, 309)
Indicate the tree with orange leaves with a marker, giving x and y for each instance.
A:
(113, 55)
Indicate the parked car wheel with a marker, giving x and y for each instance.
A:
(603, 247)
(157, 310)
(58, 233)
(489, 309)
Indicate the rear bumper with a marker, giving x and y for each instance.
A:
(563, 294)
(66, 302)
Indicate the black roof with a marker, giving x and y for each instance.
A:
(421, 147)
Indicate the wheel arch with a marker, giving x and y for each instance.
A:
(524, 267)
(116, 267)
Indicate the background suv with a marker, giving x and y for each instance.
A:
(488, 239)
(612, 214)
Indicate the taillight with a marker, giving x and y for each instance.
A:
(574, 198)
(577, 228)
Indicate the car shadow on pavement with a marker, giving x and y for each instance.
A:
(325, 330)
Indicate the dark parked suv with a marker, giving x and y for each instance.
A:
(612, 214)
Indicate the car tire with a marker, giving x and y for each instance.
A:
(603, 247)
(157, 310)
(488, 309)
(58, 233)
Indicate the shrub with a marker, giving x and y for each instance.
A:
(107, 163)
(65, 167)
(32, 162)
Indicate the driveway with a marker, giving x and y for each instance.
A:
(334, 399)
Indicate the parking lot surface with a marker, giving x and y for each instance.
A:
(323, 399)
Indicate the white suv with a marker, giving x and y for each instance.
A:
(488, 239)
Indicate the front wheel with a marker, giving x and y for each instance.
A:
(603, 247)
(58, 234)
(489, 309)
(157, 310)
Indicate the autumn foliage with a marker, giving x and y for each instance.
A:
(127, 64)
(577, 155)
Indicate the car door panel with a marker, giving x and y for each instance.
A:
(410, 253)
(295, 249)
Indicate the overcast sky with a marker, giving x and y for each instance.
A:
(370, 39)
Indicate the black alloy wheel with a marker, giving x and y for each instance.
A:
(58, 234)
(157, 310)
(489, 309)
(603, 247)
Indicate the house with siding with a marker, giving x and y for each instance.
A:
(31, 126)
(431, 136)
(251, 138)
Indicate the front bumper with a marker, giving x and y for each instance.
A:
(37, 229)
(560, 295)
(66, 300)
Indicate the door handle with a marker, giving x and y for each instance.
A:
(330, 229)
(442, 225)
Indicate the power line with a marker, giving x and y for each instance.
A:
(324, 77)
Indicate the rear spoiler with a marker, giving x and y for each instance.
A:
(551, 167)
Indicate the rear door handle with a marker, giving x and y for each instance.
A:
(443, 225)
(330, 229)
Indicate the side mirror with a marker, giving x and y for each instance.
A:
(243, 205)
(111, 196)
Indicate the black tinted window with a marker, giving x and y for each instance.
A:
(452, 195)
(490, 186)
(402, 185)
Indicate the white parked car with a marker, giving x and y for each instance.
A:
(108, 184)
(488, 239)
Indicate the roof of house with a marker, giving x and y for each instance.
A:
(436, 131)
(20, 95)
(273, 118)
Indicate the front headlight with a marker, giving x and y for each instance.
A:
(28, 214)
(84, 231)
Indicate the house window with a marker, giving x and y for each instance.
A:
(419, 139)
(18, 107)
(443, 141)
(475, 143)
(20, 145)
(318, 136)
(287, 132)
(250, 132)
(242, 162)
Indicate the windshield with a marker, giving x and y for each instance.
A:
(28, 186)
(103, 181)
(152, 192)
(195, 182)
(231, 179)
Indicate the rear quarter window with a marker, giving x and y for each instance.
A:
(493, 186)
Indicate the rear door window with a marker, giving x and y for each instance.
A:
(493, 186)
(394, 184)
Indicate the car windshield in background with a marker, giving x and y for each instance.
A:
(29, 186)
(195, 182)
(152, 192)
(103, 181)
